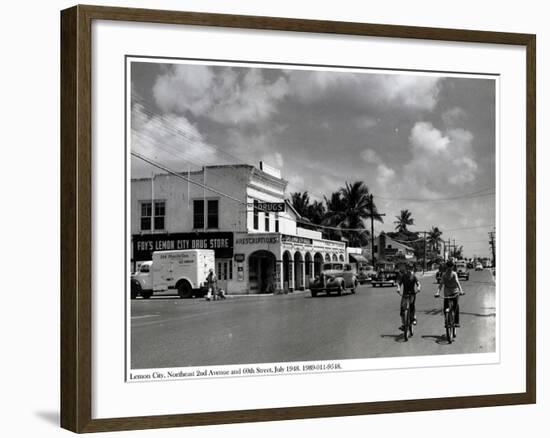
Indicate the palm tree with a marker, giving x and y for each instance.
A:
(354, 205)
(300, 202)
(403, 220)
(316, 212)
(457, 252)
(434, 238)
(334, 215)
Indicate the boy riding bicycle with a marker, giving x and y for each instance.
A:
(411, 286)
(451, 289)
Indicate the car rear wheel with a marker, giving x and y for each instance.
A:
(146, 295)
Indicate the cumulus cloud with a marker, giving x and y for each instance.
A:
(453, 116)
(424, 136)
(384, 173)
(170, 140)
(366, 122)
(226, 95)
(371, 156)
(366, 91)
(440, 160)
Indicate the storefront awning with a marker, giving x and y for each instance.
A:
(358, 258)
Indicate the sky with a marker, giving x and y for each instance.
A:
(420, 142)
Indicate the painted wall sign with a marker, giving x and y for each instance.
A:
(270, 207)
(144, 245)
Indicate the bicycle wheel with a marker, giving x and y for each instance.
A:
(406, 324)
(411, 325)
(448, 328)
(453, 321)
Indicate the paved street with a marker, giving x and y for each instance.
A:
(170, 332)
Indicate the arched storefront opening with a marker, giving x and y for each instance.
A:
(317, 263)
(334, 258)
(309, 266)
(288, 275)
(327, 257)
(261, 272)
(341, 257)
(298, 271)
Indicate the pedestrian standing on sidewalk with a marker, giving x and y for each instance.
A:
(212, 284)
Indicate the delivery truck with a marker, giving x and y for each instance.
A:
(183, 271)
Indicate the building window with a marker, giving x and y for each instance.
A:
(198, 213)
(160, 214)
(212, 219)
(256, 219)
(225, 270)
(266, 221)
(276, 223)
(146, 214)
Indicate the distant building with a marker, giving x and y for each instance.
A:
(388, 249)
(259, 244)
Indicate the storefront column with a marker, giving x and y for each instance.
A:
(279, 276)
(291, 276)
(303, 276)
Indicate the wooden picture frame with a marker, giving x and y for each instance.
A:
(76, 217)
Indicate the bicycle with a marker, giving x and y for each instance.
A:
(407, 318)
(449, 315)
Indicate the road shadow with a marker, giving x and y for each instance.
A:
(396, 338)
(438, 339)
(479, 315)
(435, 311)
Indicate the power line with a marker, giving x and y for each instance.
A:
(169, 127)
(211, 189)
(476, 194)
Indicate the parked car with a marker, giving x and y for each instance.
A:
(335, 277)
(462, 271)
(365, 274)
(386, 275)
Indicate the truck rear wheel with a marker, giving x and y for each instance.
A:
(185, 290)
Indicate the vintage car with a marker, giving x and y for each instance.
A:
(479, 267)
(335, 277)
(462, 271)
(365, 274)
(387, 275)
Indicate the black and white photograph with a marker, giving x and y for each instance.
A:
(308, 214)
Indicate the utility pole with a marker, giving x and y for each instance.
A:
(372, 228)
(424, 270)
(152, 202)
(492, 243)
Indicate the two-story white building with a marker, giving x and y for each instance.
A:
(241, 213)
